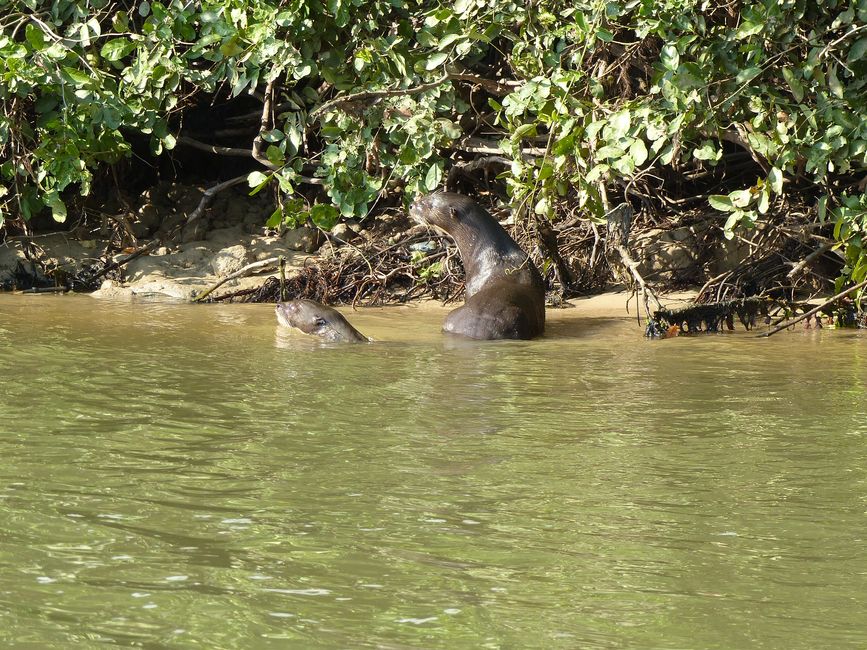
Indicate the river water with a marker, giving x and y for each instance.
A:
(195, 477)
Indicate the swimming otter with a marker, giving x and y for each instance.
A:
(317, 319)
(505, 296)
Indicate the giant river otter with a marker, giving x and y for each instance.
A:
(315, 318)
(505, 296)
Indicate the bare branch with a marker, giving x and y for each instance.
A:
(264, 123)
(215, 149)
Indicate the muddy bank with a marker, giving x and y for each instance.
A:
(184, 261)
(384, 260)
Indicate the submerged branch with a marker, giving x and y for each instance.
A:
(816, 310)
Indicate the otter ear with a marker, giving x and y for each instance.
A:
(454, 213)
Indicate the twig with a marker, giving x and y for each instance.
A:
(797, 268)
(147, 248)
(237, 274)
(491, 147)
(815, 311)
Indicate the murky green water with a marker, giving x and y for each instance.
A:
(191, 477)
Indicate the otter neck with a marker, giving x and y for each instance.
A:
(485, 256)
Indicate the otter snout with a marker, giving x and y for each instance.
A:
(286, 313)
(418, 209)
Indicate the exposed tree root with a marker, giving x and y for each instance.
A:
(420, 264)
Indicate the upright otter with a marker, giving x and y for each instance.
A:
(505, 296)
(319, 320)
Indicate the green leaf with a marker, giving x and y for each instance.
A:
(720, 202)
(257, 180)
(610, 152)
(748, 74)
(822, 208)
(741, 198)
(669, 57)
(596, 173)
(35, 37)
(448, 40)
(275, 156)
(775, 180)
(78, 78)
(733, 220)
(618, 124)
(433, 177)
(285, 182)
(525, 130)
(749, 28)
(117, 48)
(436, 60)
(324, 216)
(834, 83)
(231, 47)
(58, 207)
(708, 151)
(638, 151)
(764, 199)
(857, 51)
(275, 219)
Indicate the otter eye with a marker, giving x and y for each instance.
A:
(320, 322)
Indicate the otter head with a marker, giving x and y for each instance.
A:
(316, 319)
(440, 209)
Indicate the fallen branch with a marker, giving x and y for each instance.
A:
(237, 274)
(815, 311)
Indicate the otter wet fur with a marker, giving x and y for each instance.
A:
(505, 295)
(319, 320)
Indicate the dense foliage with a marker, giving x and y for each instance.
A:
(568, 102)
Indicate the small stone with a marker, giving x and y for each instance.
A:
(305, 239)
(229, 260)
(345, 232)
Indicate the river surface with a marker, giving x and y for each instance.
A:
(196, 477)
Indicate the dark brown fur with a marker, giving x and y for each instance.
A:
(505, 295)
(319, 320)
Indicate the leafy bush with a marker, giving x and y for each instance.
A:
(567, 102)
